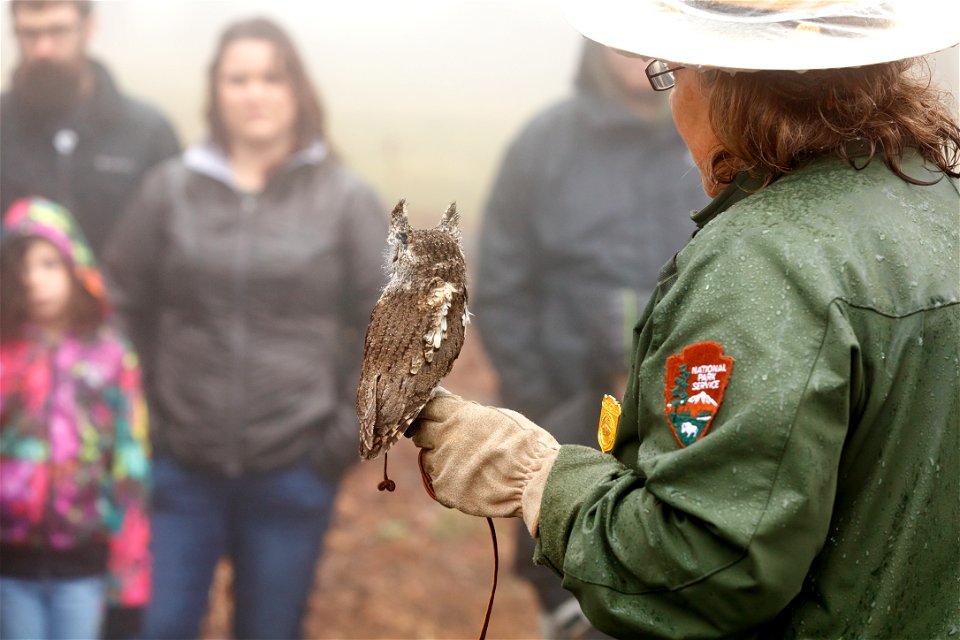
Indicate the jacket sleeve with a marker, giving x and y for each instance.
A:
(133, 258)
(129, 564)
(507, 278)
(364, 235)
(713, 539)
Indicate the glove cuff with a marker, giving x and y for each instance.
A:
(533, 492)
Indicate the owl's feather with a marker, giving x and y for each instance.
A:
(416, 330)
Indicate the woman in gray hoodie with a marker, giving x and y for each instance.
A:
(246, 270)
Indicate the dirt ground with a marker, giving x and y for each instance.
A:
(398, 565)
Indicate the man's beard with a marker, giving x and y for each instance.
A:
(46, 89)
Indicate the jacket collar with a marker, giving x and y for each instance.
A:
(105, 104)
(741, 187)
(744, 185)
(209, 159)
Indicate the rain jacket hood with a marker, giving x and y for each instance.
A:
(90, 159)
(39, 218)
(589, 201)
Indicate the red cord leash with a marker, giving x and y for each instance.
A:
(428, 487)
(389, 485)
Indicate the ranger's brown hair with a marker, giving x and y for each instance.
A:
(311, 117)
(770, 122)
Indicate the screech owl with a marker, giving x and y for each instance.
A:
(416, 329)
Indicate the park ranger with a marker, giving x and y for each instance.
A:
(786, 463)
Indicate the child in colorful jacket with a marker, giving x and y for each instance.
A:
(74, 453)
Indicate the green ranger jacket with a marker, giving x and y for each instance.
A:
(786, 464)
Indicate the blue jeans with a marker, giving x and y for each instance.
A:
(54, 608)
(270, 525)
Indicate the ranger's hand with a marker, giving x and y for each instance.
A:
(485, 461)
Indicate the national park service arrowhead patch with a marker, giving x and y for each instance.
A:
(694, 385)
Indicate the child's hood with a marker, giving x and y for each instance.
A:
(39, 218)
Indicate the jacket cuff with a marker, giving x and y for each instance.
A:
(576, 473)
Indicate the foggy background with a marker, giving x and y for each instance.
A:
(422, 95)
(422, 98)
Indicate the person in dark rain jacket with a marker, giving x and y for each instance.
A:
(582, 214)
(246, 271)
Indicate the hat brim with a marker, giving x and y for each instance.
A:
(655, 29)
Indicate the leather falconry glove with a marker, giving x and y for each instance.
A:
(484, 461)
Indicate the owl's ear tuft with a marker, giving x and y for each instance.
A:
(450, 219)
(398, 217)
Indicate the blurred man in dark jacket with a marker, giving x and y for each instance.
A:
(588, 205)
(68, 133)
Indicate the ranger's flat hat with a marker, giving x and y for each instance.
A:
(770, 34)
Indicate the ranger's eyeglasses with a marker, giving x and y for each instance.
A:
(660, 75)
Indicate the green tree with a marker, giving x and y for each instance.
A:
(679, 392)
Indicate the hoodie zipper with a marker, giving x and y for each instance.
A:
(239, 333)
